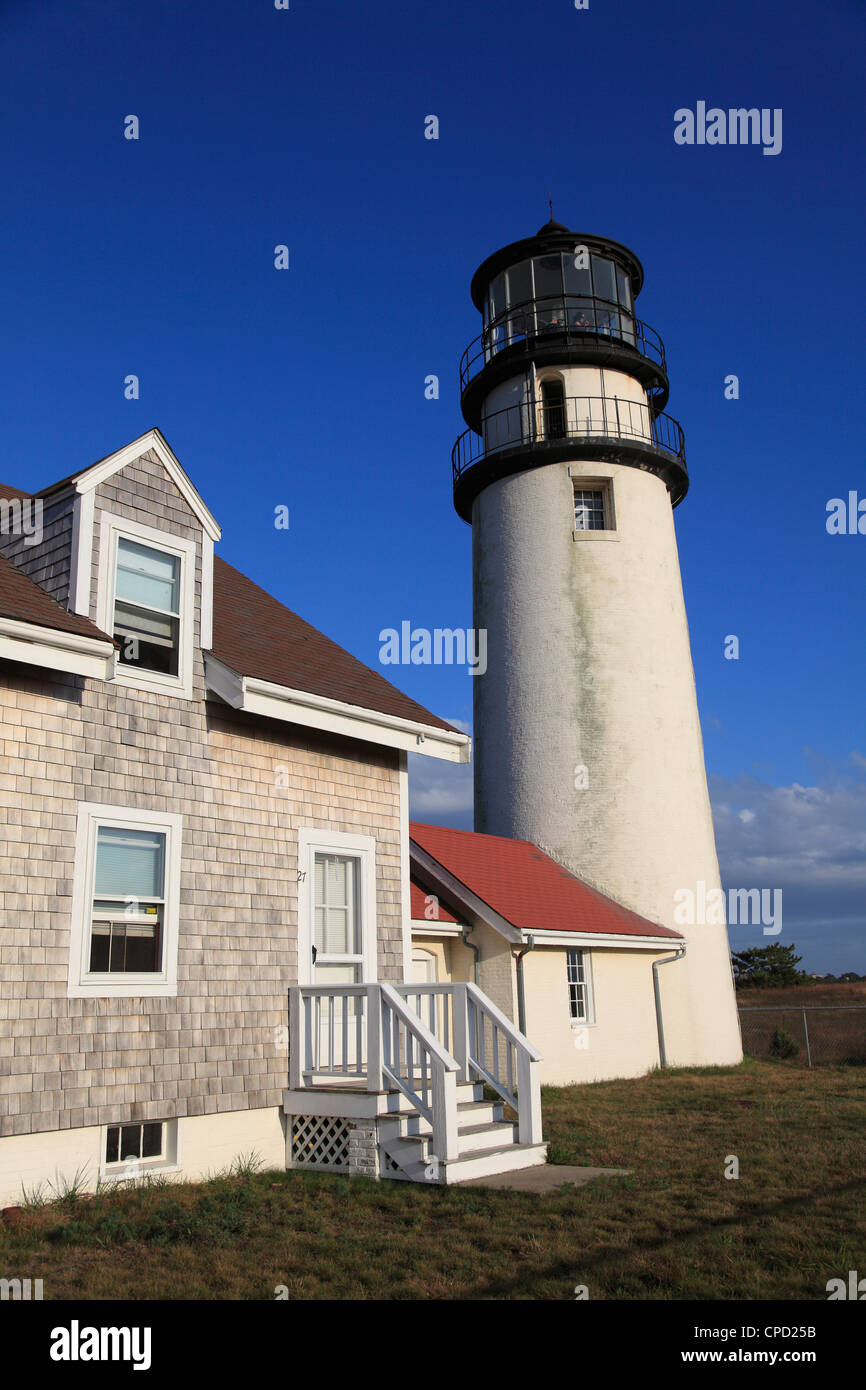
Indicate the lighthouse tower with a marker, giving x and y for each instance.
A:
(586, 730)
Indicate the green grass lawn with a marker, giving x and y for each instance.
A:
(675, 1228)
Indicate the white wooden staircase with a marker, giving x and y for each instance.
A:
(486, 1142)
(416, 1077)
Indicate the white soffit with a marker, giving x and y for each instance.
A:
(56, 650)
(333, 716)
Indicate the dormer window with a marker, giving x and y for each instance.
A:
(146, 600)
(147, 607)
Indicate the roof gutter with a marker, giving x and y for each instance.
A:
(254, 696)
(521, 993)
(56, 649)
(665, 960)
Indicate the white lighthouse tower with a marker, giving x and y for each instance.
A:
(587, 736)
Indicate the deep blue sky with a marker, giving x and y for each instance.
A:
(306, 387)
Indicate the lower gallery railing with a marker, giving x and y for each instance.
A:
(419, 1040)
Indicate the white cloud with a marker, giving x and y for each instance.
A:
(810, 841)
(439, 792)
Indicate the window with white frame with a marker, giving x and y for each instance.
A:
(579, 986)
(130, 1149)
(131, 1143)
(146, 594)
(126, 896)
(147, 607)
(128, 912)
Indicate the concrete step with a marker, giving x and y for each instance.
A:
(487, 1162)
(487, 1152)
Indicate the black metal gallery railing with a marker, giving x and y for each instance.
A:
(572, 418)
(572, 317)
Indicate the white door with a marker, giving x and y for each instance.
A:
(338, 955)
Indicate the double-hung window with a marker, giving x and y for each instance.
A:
(147, 607)
(146, 600)
(126, 901)
(579, 987)
(126, 930)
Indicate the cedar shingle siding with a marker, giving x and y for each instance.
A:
(215, 1047)
(47, 564)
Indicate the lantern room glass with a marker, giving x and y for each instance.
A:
(557, 293)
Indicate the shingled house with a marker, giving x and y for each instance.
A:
(220, 935)
(205, 809)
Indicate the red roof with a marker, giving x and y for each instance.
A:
(24, 601)
(528, 888)
(421, 907)
(257, 636)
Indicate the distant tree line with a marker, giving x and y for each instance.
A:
(775, 967)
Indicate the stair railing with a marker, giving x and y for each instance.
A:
(501, 1056)
(486, 1046)
(417, 1064)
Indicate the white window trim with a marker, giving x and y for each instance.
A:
(589, 1021)
(605, 487)
(125, 1172)
(111, 529)
(81, 984)
(363, 847)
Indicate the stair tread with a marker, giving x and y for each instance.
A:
(498, 1149)
(491, 1126)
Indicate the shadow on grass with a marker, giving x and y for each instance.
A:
(590, 1264)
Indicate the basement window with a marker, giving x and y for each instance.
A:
(132, 1150)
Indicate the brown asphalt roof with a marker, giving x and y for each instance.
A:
(23, 600)
(255, 635)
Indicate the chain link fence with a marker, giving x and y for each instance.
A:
(806, 1035)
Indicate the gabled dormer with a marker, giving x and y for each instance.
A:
(127, 547)
(128, 543)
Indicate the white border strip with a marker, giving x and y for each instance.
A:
(333, 716)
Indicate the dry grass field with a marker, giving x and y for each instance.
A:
(835, 1019)
(674, 1228)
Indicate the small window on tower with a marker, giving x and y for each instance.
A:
(590, 511)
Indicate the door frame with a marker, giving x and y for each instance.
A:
(360, 847)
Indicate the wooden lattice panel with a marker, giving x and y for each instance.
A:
(319, 1141)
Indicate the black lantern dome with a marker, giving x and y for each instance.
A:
(564, 299)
